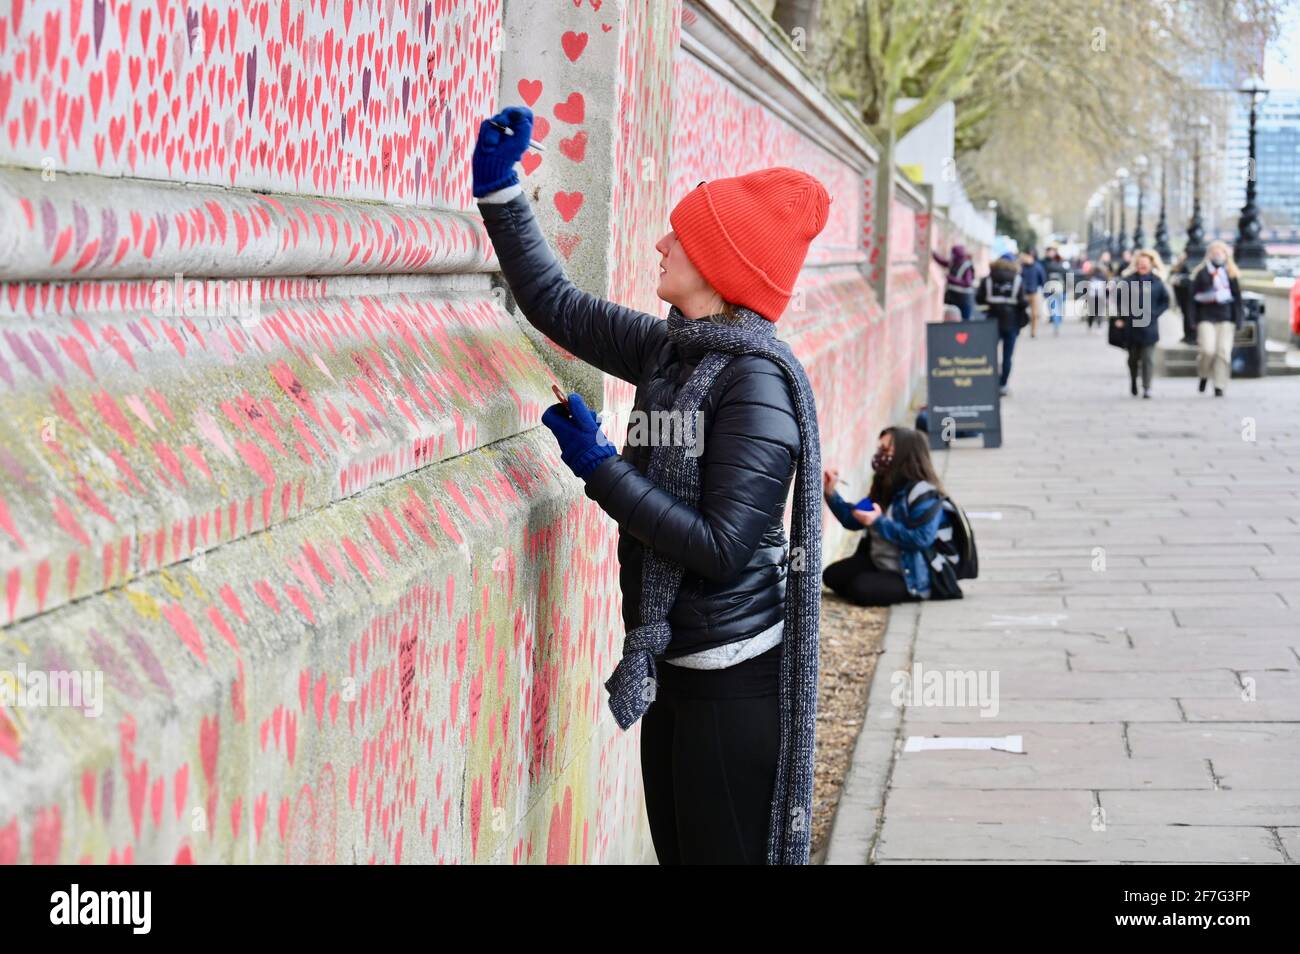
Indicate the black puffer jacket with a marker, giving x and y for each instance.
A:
(733, 545)
(1002, 294)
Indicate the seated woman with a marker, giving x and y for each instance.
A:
(890, 565)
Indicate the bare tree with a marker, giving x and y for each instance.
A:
(1050, 95)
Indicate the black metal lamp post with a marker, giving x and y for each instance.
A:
(1162, 225)
(1103, 226)
(1250, 252)
(1195, 248)
(1139, 236)
(1112, 229)
(1122, 175)
(1096, 223)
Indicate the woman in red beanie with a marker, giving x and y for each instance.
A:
(721, 611)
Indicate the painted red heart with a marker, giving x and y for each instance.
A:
(530, 90)
(575, 148)
(574, 44)
(572, 110)
(568, 204)
(962, 336)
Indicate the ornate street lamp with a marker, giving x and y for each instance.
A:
(1112, 227)
(1195, 248)
(1139, 237)
(1162, 225)
(1250, 251)
(1122, 175)
(1096, 235)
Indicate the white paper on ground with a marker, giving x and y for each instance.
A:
(924, 743)
(984, 514)
(1042, 619)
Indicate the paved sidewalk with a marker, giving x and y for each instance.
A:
(1139, 604)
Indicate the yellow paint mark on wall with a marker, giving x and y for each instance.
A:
(12, 720)
(144, 604)
(170, 584)
(21, 645)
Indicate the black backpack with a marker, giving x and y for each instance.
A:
(961, 545)
(953, 556)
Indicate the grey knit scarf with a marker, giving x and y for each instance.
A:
(633, 683)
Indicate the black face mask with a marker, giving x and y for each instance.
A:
(881, 461)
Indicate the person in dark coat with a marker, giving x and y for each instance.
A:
(1217, 313)
(960, 288)
(1142, 297)
(1003, 296)
(1180, 283)
(1033, 277)
(1092, 293)
(1055, 272)
(710, 737)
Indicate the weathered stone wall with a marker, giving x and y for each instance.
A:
(345, 601)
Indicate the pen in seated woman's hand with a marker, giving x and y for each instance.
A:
(495, 152)
(829, 479)
(583, 445)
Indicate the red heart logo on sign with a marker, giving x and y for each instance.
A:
(962, 336)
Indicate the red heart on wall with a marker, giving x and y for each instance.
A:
(568, 204)
(572, 110)
(962, 336)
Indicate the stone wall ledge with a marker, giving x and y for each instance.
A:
(80, 226)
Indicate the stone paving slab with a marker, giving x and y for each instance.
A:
(1153, 574)
(1158, 693)
(1221, 807)
(1004, 770)
(957, 841)
(1056, 710)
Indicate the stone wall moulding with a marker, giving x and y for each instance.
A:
(76, 227)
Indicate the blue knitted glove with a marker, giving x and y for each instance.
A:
(496, 153)
(583, 445)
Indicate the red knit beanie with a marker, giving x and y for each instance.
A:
(748, 235)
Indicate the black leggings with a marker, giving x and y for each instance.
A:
(858, 581)
(1141, 357)
(709, 748)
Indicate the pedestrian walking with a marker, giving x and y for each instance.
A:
(1142, 297)
(1093, 301)
(1216, 314)
(1180, 283)
(720, 658)
(1055, 273)
(1003, 296)
(1033, 276)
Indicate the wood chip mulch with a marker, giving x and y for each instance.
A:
(850, 645)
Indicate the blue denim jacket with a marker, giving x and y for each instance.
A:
(911, 522)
